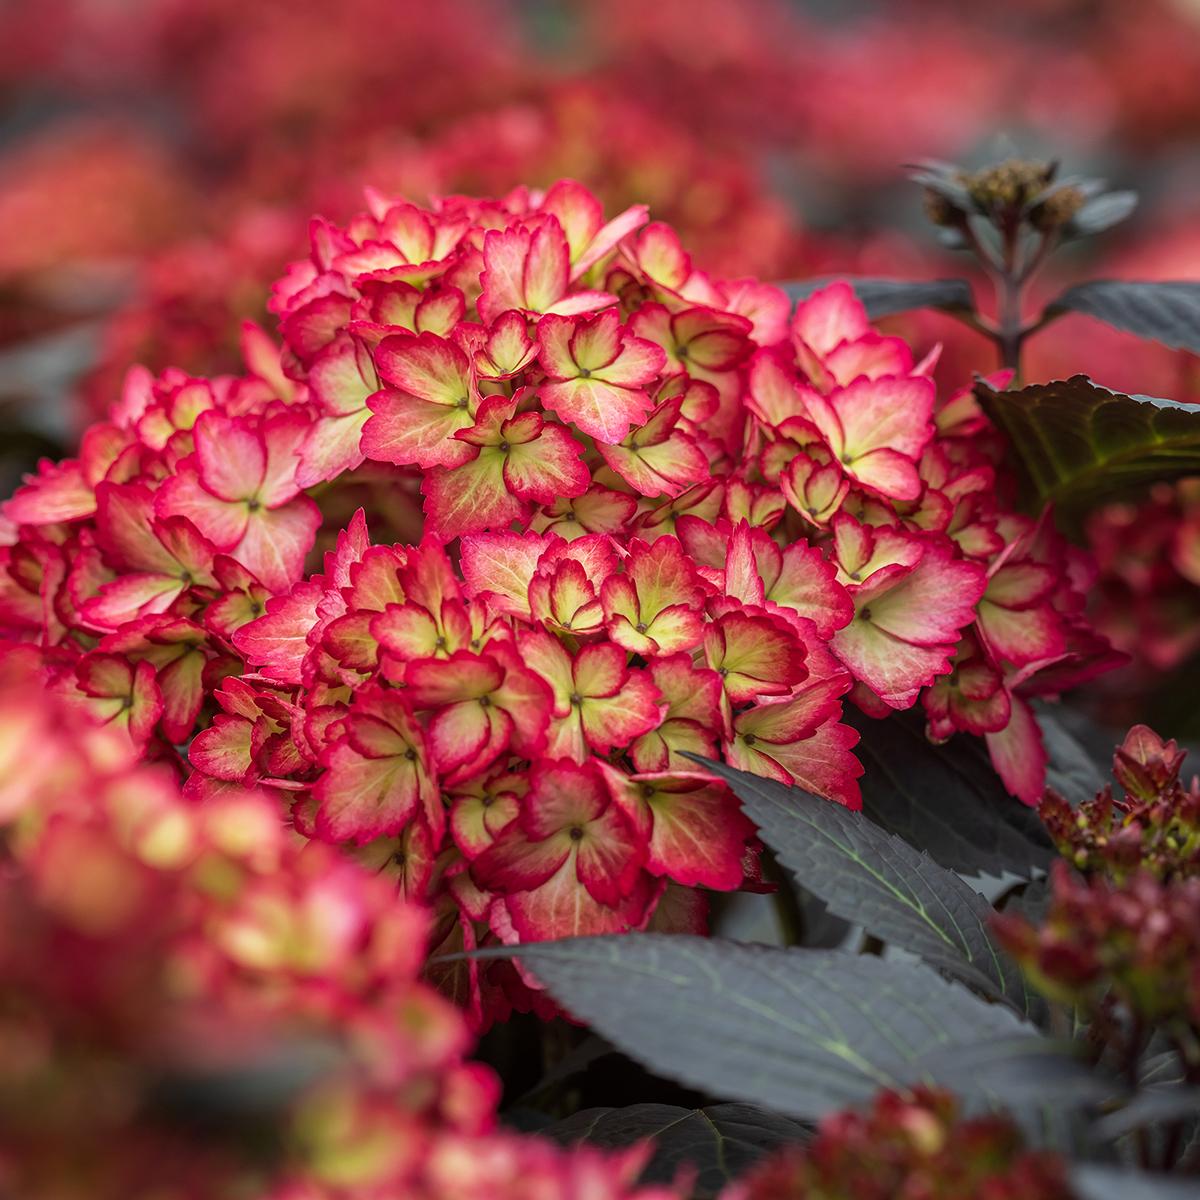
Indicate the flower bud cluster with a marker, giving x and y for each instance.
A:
(1015, 195)
(915, 1146)
(1154, 826)
(1136, 944)
(1126, 931)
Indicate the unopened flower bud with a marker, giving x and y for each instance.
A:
(1057, 209)
(941, 211)
(1008, 186)
(914, 1144)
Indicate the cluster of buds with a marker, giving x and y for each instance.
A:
(914, 1146)
(154, 951)
(1123, 933)
(629, 510)
(1018, 194)
(1135, 944)
(1154, 827)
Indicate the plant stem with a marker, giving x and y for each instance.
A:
(1011, 335)
(1103, 1031)
(1133, 1053)
(789, 911)
(1008, 277)
(790, 916)
(1189, 1162)
(1039, 256)
(1060, 1023)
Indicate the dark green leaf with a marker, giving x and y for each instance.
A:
(893, 890)
(1163, 312)
(1032, 902)
(946, 800)
(800, 1031)
(882, 297)
(950, 237)
(1076, 442)
(1161, 1068)
(1113, 1183)
(719, 1143)
(1076, 770)
(1027, 1071)
(1043, 1084)
(1168, 1102)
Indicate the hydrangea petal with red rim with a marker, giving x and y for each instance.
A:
(693, 827)
(377, 776)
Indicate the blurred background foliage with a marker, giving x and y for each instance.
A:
(159, 160)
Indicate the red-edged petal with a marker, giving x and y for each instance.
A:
(277, 541)
(562, 907)
(599, 670)
(230, 455)
(696, 830)
(426, 367)
(129, 597)
(471, 497)
(408, 431)
(499, 566)
(224, 749)
(277, 642)
(891, 414)
(549, 467)
(602, 410)
(1019, 754)
(183, 495)
(830, 316)
(619, 720)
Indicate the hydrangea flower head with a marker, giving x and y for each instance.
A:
(522, 507)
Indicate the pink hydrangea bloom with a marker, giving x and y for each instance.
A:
(523, 507)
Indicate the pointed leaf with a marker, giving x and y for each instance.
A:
(946, 800)
(1114, 1183)
(1027, 1072)
(719, 1143)
(1102, 213)
(881, 297)
(1077, 442)
(801, 1031)
(1080, 752)
(871, 877)
(1151, 1106)
(1167, 312)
